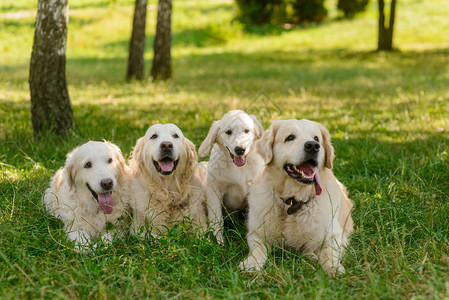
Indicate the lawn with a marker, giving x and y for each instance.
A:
(388, 114)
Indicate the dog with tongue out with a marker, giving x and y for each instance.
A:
(233, 164)
(89, 192)
(297, 201)
(168, 182)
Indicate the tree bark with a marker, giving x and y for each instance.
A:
(136, 61)
(391, 23)
(385, 41)
(50, 103)
(161, 68)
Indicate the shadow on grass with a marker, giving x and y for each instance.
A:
(199, 37)
(331, 69)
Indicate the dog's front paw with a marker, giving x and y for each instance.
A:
(250, 264)
(220, 239)
(334, 270)
(107, 238)
(339, 270)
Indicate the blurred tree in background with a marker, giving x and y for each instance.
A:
(309, 11)
(161, 68)
(50, 103)
(351, 7)
(260, 12)
(385, 42)
(257, 12)
(136, 62)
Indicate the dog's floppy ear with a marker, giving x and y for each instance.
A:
(210, 139)
(265, 144)
(328, 148)
(191, 159)
(70, 170)
(190, 149)
(137, 154)
(258, 129)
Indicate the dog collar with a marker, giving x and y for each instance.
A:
(295, 205)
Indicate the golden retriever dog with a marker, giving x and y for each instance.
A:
(168, 182)
(233, 164)
(90, 191)
(297, 201)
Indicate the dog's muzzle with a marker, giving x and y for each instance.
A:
(104, 200)
(239, 161)
(306, 173)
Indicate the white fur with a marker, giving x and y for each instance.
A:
(159, 200)
(322, 226)
(227, 184)
(69, 199)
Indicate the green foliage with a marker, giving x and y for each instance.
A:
(351, 7)
(387, 114)
(309, 11)
(257, 12)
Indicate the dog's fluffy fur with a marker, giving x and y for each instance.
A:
(95, 168)
(233, 164)
(168, 182)
(297, 201)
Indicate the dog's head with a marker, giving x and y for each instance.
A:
(96, 167)
(235, 133)
(165, 150)
(301, 148)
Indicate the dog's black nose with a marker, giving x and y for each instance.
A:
(312, 147)
(239, 150)
(107, 183)
(166, 146)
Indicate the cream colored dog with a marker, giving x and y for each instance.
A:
(233, 164)
(297, 200)
(89, 192)
(168, 181)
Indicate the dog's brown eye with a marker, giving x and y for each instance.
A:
(176, 136)
(110, 160)
(291, 137)
(246, 130)
(154, 136)
(316, 139)
(88, 165)
(229, 132)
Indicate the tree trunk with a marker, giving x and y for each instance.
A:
(385, 42)
(137, 44)
(161, 68)
(391, 24)
(50, 103)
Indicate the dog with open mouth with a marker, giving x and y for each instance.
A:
(89, 192)
(168, 182)
(233, 164)
(297, 201)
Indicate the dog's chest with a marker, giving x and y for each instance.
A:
(305, 228)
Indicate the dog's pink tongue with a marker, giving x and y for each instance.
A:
(239, 160)
(317, 182)
(166, 165)
(106, 202)
(307, 169)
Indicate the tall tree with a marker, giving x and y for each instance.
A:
(385, 41)
(50, 103)
(137, 44)
(161, 68)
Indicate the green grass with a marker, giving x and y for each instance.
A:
(388, 114)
